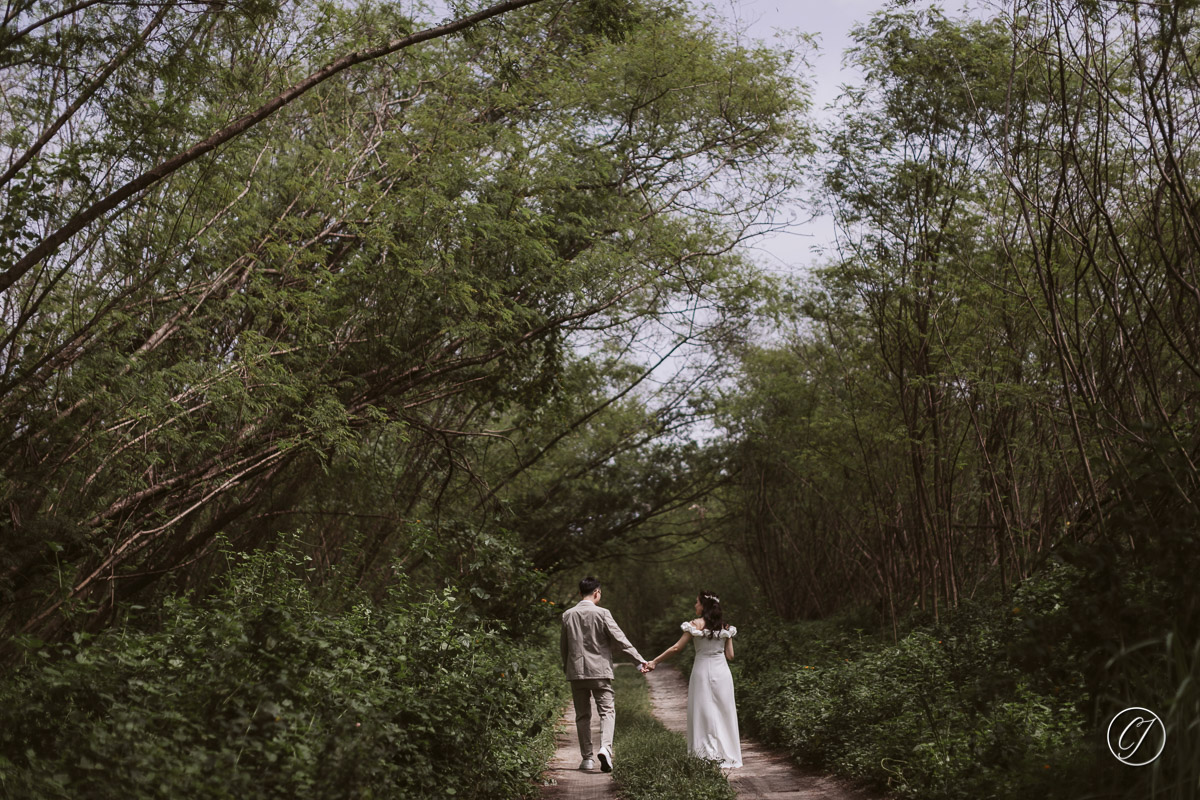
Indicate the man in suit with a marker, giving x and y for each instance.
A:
(589, 634)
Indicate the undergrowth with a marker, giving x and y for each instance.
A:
(256, 693)
(950, 710)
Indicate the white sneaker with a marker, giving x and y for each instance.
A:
(587, 763)
(605, 760)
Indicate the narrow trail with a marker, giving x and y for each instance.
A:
(765, 774)
(564, 780)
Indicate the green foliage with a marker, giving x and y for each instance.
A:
(256, 693)
(359, 313)
(490, 567)
(950, 710)
(1129, 621)
(1177, 773)
(989, 393)
(652, 763)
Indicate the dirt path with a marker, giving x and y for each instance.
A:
(564, 779)
(765, 774)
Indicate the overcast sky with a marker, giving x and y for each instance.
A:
(829, 20)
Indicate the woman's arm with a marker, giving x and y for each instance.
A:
(729, 649)
(673, 649)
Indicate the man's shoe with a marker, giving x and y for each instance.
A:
(587, 763)
(605, 760)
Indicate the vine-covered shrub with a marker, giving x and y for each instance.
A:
(256, 694)
(948, 711)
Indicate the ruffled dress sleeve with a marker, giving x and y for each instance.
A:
(728, 633)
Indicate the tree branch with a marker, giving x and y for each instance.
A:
(80, 220)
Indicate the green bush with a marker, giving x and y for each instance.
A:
(948, 711)
(652, 763)
(256, 694)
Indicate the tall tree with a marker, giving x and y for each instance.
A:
(365, 284)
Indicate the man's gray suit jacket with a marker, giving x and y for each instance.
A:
(589, 636)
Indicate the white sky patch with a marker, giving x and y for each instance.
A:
(796, 248)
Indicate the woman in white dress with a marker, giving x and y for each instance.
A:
(712, 725)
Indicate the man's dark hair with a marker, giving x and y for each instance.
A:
(588, 585)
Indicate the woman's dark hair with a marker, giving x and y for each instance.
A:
(710, 611)
(588, 585)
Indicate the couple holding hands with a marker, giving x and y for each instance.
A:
(589, 637)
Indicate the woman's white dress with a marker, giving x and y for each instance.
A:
(712, 725)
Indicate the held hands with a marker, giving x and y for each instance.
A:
(646, 667)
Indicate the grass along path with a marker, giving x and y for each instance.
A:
(650, 762)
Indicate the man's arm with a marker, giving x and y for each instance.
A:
(562, 645)
(618, 638)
